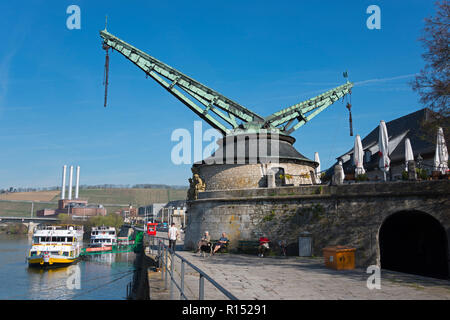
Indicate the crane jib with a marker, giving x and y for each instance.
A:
(216, 109)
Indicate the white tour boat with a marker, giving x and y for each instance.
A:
(103, 237)
(57, 245)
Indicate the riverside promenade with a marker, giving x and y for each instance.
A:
(249, 277)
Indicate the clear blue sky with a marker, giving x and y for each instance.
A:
(266, 55)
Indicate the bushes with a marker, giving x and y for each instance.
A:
(362, 177)
(422, 174)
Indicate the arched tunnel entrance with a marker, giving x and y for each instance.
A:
(414, 242)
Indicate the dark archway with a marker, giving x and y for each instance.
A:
(414, 242)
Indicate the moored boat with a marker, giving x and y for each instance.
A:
(55, 245)
(103, 237)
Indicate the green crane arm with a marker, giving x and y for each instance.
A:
(172, 80)
(292, 118)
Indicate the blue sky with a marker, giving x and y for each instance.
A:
(266, 55)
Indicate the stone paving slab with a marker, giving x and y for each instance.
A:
(275, 278)
(249, 277)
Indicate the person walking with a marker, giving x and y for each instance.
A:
(173, 234)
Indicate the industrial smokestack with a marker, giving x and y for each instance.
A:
(63, 184)
(70, 183)
(77, 182)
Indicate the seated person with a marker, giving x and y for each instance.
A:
(263, 246)
(223, 241)
(204, 241)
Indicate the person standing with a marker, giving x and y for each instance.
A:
(173, 234)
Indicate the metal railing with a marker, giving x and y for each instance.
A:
(164, 253)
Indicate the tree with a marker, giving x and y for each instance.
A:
(432, 83)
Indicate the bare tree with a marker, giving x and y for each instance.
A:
(432, 83)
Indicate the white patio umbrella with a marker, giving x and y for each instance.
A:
(341, 169)
(316, 159)
(409, 155)
(358, 156)
(441, 155)
(383, 144)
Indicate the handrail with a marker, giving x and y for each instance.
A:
(163, 251)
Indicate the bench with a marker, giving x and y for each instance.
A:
(248, 246)
(224, 249)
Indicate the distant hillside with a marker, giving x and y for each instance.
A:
(137, 197)
(19, 206)
(30, 196)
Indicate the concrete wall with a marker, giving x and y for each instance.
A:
(334, 215)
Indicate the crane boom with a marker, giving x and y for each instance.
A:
(212, 106)
(221, 106)
(304, 111)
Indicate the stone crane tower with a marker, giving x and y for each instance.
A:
(255, 151)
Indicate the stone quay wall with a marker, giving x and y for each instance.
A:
(333, 215)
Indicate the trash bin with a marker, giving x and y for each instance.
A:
(305, 245)
(339, 257)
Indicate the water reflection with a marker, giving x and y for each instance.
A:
(102, 277)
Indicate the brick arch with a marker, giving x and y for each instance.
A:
(413, 241)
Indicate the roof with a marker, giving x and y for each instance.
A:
(246, 146)
(408, 126)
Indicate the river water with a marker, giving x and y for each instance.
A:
(99, 277)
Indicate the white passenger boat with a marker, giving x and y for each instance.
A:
(103, 237)
(57, 245)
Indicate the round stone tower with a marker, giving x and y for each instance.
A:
(248, 161)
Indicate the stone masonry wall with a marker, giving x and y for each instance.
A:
(334, 215)
(249, 176)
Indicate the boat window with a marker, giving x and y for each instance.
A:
(69, 239)
(35, 239)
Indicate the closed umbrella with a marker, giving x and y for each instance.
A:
(341, 172)
(316, 159)
(409, 155)
(358, 156)
(441, 155)
(383, 144)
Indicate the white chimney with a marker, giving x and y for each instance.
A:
(63, 184)
(70, 183)
(77, 182)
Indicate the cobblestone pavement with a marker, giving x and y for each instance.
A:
(249, 277)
